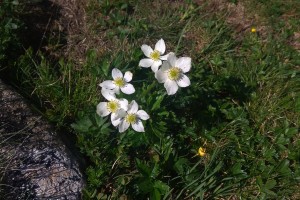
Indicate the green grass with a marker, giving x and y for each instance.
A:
(242, 106)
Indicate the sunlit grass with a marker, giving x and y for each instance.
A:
(242, 107)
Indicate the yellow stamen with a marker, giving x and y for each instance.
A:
(174, 73)
(119, 82)
(201, 151)
(113, 106)
(155, 55)
(131, 118)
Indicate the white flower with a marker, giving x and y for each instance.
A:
(155, 57)
(112, 106)
(119, 82)
(132, 117)
(172, 73)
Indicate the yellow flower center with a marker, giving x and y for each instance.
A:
(113, 106)
(131, 118)
(174, 73)
(155, 55)
(119, 82)
(202, 151)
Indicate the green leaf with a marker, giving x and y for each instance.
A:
(155, 195)
(82, 125)
(270, 184)
(145, 185)
(143, 168)
(105, 67)
(290, 132)
(157, 103)
(180, 164)
(163, 188)
(283, 167)
(155, 171)
(99, 120)
(270, 192)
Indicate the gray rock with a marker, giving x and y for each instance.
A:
(34, 162)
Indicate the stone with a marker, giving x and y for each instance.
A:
(34, 162)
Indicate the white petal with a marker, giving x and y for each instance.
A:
(123, 126)
(142, 115)
(184, 63)
(123, 104)
(171, 87)
(146, 62)
(116, 73)
(147, 50)
(165, 57)
(116, 90)
(102, 109)
(172, 59)
(160, 46)
(115, 119)
(107, 84)
(108, 94)
(184, 81)
(165, 66)
(161, 76)
(128, 89)
(156, 65)
(133, 107)
(128, 76)
(138, 126)
(121, 113)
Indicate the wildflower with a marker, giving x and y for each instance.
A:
(155, 57)
(253, 30)
(201, 151)
(172, 73)
(132, 117)
(119, 82)
(112, 106)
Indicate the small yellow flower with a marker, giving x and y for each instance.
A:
(201, 151)
(253, 30)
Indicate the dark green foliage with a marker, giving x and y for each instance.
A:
(9, 27)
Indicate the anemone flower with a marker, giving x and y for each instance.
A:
(132, 117)
(172, 73)
(120, 82)
(112, 106)
(154, 57)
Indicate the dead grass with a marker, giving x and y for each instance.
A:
(238, 16)
(74, 31)
(295, 41)
(198, 38)
(81, 31)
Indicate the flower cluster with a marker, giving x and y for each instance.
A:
(122, 114)
(172, 68)
(168, 69)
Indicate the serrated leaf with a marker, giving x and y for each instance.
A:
(143, 168)
(82, 125)
(155, 171)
